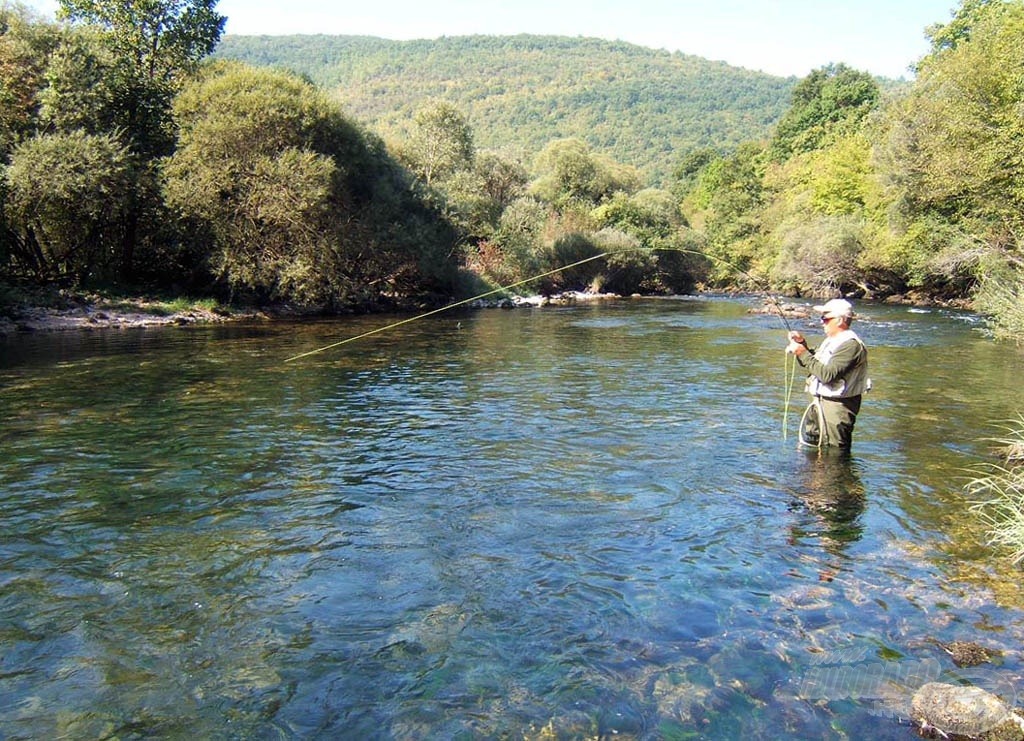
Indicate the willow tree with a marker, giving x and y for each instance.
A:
(293, 200)
(66, 196)
(954, 146)
(251, 172)
(146, 50)
(470, 188)
(569, 172)
(440, 144)
(657, 256)
(154, 46)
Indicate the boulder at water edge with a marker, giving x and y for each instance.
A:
(956, 712)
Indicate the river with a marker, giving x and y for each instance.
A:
(576, 522)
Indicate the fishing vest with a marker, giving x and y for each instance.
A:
(856, 381)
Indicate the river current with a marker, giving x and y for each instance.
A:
(569, 522)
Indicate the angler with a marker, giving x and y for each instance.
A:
(837, 377)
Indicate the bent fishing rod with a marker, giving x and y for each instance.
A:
(761, 286)
(502, 289)
(463, 302)
(789, 373)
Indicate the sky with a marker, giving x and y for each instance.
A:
(779, 37)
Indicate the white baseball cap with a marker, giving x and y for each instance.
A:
(835, 307)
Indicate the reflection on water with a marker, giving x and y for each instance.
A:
(566, 523)
(830, 489)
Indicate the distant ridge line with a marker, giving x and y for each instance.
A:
(640, 106)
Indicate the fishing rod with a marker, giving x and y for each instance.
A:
(499, 289)
(502, 289)
(759, 284)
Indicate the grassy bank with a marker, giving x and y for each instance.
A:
(25, 309)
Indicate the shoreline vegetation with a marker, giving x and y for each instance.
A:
(153, 164)
(84, 311)
(89, 312)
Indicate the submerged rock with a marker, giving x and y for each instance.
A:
(774, 307)
(565, 298)
(959, 712)
(966, 653)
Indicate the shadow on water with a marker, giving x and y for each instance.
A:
(570, 523)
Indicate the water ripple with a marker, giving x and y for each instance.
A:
(578, 522)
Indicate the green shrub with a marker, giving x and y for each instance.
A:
(998, 493)
(1000, 298)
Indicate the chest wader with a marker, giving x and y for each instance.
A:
(829, 422)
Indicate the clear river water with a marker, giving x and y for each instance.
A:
(559, 523)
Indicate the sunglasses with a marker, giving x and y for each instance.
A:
(826, 319)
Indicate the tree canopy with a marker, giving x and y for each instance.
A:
(638, 106)
(828, 102)
(127, 158)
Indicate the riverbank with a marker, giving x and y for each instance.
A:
(91, 312)
(99, 313)
(65, 312)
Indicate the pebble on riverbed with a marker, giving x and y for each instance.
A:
(966, 653)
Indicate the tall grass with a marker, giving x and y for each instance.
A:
(998, 492)
(1001, 300)
(180, 305)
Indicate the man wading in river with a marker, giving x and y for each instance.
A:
(838, 376)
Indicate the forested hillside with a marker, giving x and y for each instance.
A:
(637, 105)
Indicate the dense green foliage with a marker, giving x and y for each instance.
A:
(127, 159)
(278, 185)
(866, 192)
(150, 45)
(828, 101)
(391, 170)
(634, 105)
(69, 196)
